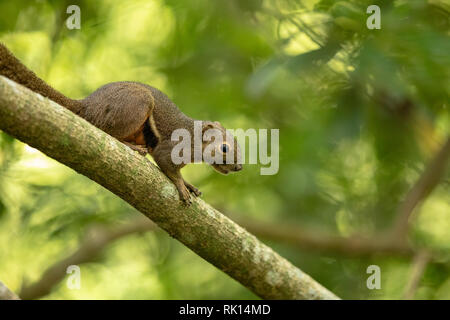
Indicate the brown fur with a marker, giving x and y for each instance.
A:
(123, 109)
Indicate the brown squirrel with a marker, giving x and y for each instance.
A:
(140, 116)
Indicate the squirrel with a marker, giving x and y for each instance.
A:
(136, 114)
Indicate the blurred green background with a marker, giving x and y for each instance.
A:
(360, 112)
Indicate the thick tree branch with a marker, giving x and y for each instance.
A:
(99, 238)
(74, 142)
(391, 243)
(355, 246)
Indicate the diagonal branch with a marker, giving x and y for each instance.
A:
(429, 179)
(355, 246)
(305, 239)
(100, 238)
(420, 262)
(6, 294)
(96, 240)
(62, 135)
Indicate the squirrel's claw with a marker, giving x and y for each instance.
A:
(193, 189)
(185, 196)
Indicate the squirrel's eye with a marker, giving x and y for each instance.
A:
(224, 148)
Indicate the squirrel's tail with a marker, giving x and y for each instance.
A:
(12, 68)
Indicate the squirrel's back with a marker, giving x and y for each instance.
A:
(118, 108)
(116, 105)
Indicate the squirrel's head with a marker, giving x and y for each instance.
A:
(220, 148)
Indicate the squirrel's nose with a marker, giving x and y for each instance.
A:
(238, 167)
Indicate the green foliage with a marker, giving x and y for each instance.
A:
(360, 113)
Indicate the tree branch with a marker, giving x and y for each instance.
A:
(96, 240)
(6, 294)
(99, 238)
(353, 246)
(67, 138)
(429, 179)
(418, 268)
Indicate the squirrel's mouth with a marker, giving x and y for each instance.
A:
(227, 168)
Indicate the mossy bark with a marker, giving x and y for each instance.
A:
(71, 140)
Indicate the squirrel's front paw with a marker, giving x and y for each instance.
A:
(185, 196)
(193, 189)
